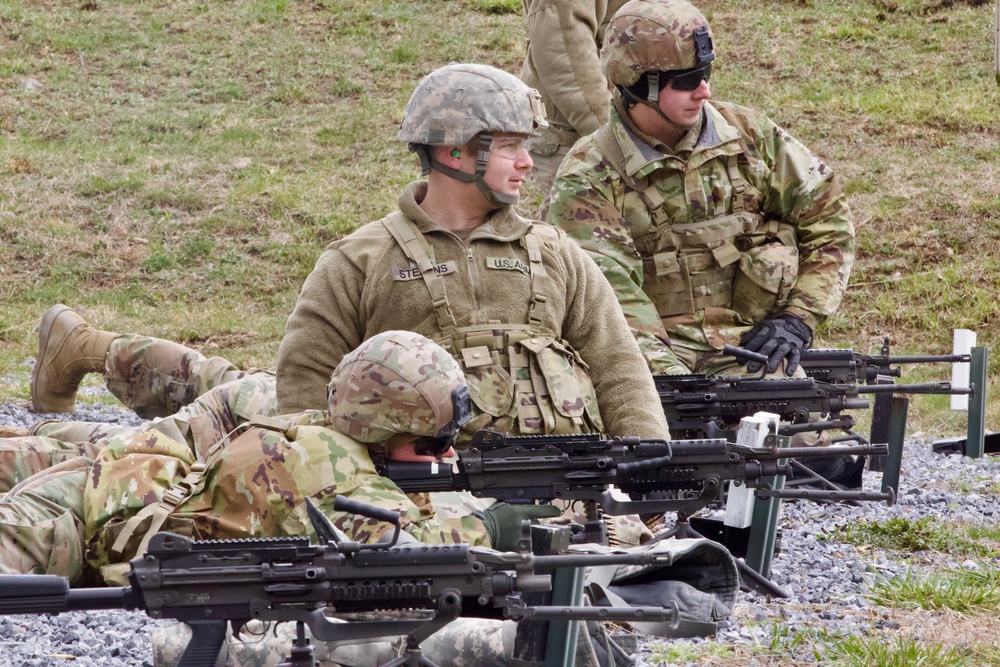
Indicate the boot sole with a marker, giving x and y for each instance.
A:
(44, 328)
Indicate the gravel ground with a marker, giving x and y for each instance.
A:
(825, 580)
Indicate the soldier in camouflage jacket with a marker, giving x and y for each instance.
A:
(712, 224)
(212, 472)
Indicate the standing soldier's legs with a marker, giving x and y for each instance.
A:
(547, 158)
(41, 523)
(152, 376)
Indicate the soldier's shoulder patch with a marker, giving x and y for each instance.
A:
(507, 264)
(412, 272)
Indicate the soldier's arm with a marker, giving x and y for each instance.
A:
(324, 326)
(562, 45)
(418, 517)
(583, 205)
(596, 328)
(804, 191)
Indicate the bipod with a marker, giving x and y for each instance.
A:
(750, 580)
(302, 650)
(412, 656)
(812, 478)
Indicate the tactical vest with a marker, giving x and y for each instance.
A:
(736, 260)
(523, 378)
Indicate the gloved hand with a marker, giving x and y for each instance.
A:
(503, 522)
(780, 338)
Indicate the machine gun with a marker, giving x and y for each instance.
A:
(849, 367)
(209, 584)
(697, 406)
(584, 467)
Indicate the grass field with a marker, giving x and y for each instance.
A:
(175, 168)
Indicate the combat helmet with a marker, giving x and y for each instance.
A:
(455, 103)
(651, 42)
(399, 382)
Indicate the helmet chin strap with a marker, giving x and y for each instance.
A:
(498, 199)
(652, 101)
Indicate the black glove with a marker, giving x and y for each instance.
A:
(780, 338)
(503, 522)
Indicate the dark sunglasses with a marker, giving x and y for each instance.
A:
(438, 444)
(688, 79)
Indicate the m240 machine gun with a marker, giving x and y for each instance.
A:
(208, 585)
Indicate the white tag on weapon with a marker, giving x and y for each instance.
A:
(753, 431)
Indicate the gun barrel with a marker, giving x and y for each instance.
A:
(593, 559)
(51, 594)
(924, 388)
(828, 494)
(877, 449)
(620, 614)
(922, 359)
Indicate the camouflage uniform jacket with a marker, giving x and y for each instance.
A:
(562, 64)
(364, 284)
(250, 486)
(784, 182)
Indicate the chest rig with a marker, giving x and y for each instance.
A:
(691, 267)
(523, 378)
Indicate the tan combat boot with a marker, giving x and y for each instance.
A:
(68, 349)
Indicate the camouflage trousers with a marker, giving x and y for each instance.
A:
(465, 642)
(206, 419)
(544, 172)
(157, 377)
(42, 524)
(43, 475)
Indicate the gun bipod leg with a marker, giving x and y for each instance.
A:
(412, 656)
(302, 650)
(815, 478)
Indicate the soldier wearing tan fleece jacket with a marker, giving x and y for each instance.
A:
(534, 324)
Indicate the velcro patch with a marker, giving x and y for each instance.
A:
(507, 264)
(412, 272)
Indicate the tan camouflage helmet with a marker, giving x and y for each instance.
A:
(655, 36)
(398, 382)
(454, 104)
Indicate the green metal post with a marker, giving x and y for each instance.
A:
(764, 524)
(976, 437)
(560, 645)
(895, 436)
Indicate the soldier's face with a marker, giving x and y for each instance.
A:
(509, 164)
(684, 106)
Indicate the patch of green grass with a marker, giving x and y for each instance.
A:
(241, 135)
(102, 184)
(405, 53)
(875, 651)
(498, 6)
(903, 535)
(178, 198)
(958, 590)
(684, 653)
